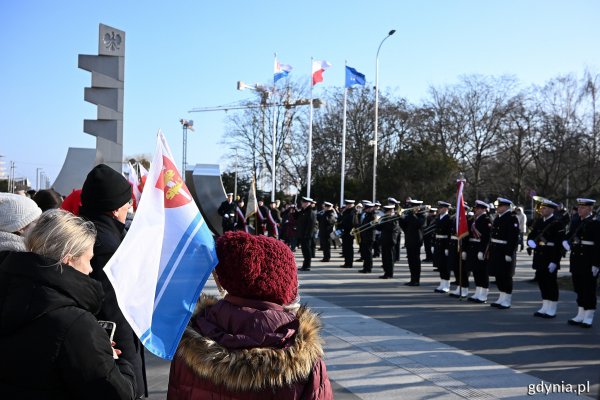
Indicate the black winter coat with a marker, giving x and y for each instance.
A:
(109, 237)
(52, 346)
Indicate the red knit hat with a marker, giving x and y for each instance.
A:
(257, 267)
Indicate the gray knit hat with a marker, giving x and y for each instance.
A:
(16, 212)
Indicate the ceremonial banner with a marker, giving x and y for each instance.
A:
(165, 259)
(462, 228)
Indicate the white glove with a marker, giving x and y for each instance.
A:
(595, 270)
(463, 255)
(531, 244)
(566, 245)
(446, 252)
(480, 256)
(226, 216)
(552, 267)
(507, 258)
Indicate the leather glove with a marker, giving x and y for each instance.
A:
(446, 252)
(566, 245)
(595, 270)
(507, 258)
(529, 250)
(531, 243)
(463, 255)
(552, 267)
(480, 256)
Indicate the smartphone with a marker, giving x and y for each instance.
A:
(109, 327)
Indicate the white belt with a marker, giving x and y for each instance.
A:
(548, 244)
(441, 236)
(474, 240)
(587, 242)
(454, 237)
(498, 241)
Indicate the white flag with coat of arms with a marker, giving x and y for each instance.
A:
(165, 259)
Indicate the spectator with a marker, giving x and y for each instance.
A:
(256, 343)
(16, 214)
(105, 200)
(47, 199)
(52, 345)
(522, 218)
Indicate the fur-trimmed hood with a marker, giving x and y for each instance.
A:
(253, 369)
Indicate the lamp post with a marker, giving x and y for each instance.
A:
(235, 175)
(390, 33)
(185, 123)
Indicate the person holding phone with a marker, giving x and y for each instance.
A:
(51, 343)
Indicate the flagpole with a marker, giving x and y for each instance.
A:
(274, 144)
(310, 124)
(343, 168)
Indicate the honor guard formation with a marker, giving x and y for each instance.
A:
(486, 247)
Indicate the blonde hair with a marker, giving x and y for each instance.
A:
(58, 233)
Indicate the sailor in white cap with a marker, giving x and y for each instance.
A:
(389, 228)
(346, 224)
(227, 212)
(545, 238)
(479, 238)
(326, 218)
(503, 246)
(367, 237)
(412, 222)
(584, 244)
(305, 225)
(440, 246)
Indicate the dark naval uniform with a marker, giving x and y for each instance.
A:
(546, 238)
(389, 236)
(441, 244)
(479, 238)
(346, 224)
(503, 243)
(228, 215)
(326, 220)
(367, 238)
(584, 238)
(412, 224)
(305, 225)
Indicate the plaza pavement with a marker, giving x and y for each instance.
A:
(384, 340)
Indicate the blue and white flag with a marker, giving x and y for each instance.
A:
(165, 259)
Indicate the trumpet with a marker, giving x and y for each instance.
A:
(539, 201)
(416, 209)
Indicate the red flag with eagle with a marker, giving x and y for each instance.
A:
(165, 259)
(462, 228)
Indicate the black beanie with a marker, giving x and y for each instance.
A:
(104, 189)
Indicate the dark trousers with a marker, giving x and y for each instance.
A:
(480, 273)
(547, 283)
(427, 243)
(413, 253)
(504, 275)
(387, 259)
(348, 250)
(305, 245)
(325, 245)
(584, 284)
(440, 261)
(366, 254)
(397, 248)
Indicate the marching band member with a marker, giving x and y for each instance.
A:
(389, 234)
(440, 246)
(346, 224)
(367, 237)
(326, 219)
(412, 223)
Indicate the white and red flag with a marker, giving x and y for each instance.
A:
(462, 228)
(318, 67)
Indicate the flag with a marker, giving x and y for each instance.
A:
(318, 67)
(132, 177)
(281, 70)
(353, 77)
(252, 206)
(165, 259)
(461, 216)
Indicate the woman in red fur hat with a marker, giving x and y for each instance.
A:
(256, 343)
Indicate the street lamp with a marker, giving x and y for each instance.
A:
(235, 175)
(185, 123)
(390, 33)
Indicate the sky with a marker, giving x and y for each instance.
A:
(182, 55)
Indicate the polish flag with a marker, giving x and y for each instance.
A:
(318, 67)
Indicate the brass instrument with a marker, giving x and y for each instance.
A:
(539, 201)
(401, 213)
